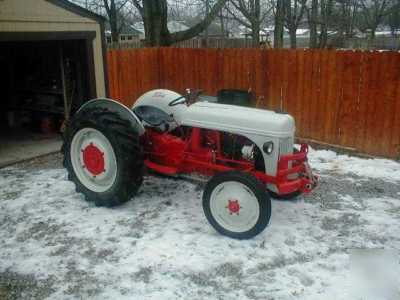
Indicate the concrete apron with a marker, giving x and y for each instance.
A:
(14, 151)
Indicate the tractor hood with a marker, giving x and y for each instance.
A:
(237, 119)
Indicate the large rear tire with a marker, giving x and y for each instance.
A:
(103, 157)
(236, 204)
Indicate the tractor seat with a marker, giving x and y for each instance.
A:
(152, 115)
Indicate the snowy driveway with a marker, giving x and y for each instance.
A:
(160, 246)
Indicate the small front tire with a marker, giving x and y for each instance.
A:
(236, 204)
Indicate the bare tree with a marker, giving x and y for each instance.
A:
(394, 18)
(251, 15)
(326, 13)
(279, 23)
(115, 13)
(373, 12)
(312, 15)
(222, 23)
(293, 12)
(229, 20)
(155, 19)
(346, 17)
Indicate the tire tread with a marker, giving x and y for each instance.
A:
(126, 144)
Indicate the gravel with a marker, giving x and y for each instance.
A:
(18, 286)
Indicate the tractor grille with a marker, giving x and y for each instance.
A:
(286, 146)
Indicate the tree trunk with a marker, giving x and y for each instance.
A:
(256, 23)
(313, 24)
(293, 39)
(255, 35)
(114, 36)
(221, 20)
(349, 19)
(155, 23)
(206, 29)
(323, 38)
(373, 31)
(279, 24)
(113, 20)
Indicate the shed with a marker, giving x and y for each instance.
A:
(53, 58)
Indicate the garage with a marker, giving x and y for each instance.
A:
(52, 57)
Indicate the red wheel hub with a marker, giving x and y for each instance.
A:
(93, 159)
(233, 206)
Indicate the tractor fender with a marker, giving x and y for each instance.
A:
(117, 107)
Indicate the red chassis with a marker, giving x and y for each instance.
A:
(200, 151)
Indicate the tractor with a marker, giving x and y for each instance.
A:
(246, 154)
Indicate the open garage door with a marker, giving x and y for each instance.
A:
(42, 82)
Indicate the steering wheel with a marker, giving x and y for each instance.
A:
(190, 98)
(177, 101)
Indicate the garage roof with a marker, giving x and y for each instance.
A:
(77, 10)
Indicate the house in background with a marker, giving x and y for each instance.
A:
(128, 34)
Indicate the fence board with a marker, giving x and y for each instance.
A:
(395, 128)
(299, 92)
(348, 104)
(388, 100)
(307, 93)
(331, 92)
(347, 98)
(290, 80)
(111, 73)
(285, 79)
(269, 73)
(320, 122)
(380, 101)
(370, 93)
(260, 78)
(210, 71)
(120, 77)
(315, 94)
(226, 71)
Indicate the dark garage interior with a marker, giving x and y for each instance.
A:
(41, 83)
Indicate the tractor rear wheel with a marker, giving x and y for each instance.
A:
(103, 157)
(236, 204)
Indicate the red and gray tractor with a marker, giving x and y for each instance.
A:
(248, 154)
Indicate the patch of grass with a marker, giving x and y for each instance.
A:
(5, 292)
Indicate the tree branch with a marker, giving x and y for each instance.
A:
(240, 20)
(199, 27)
(139, 7)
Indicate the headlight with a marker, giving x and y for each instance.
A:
(268, 147)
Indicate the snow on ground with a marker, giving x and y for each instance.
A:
(160, 246)
(326, 160)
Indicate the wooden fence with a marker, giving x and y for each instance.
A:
(345, 98)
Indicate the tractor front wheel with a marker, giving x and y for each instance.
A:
(103, 157)
(236, 204)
